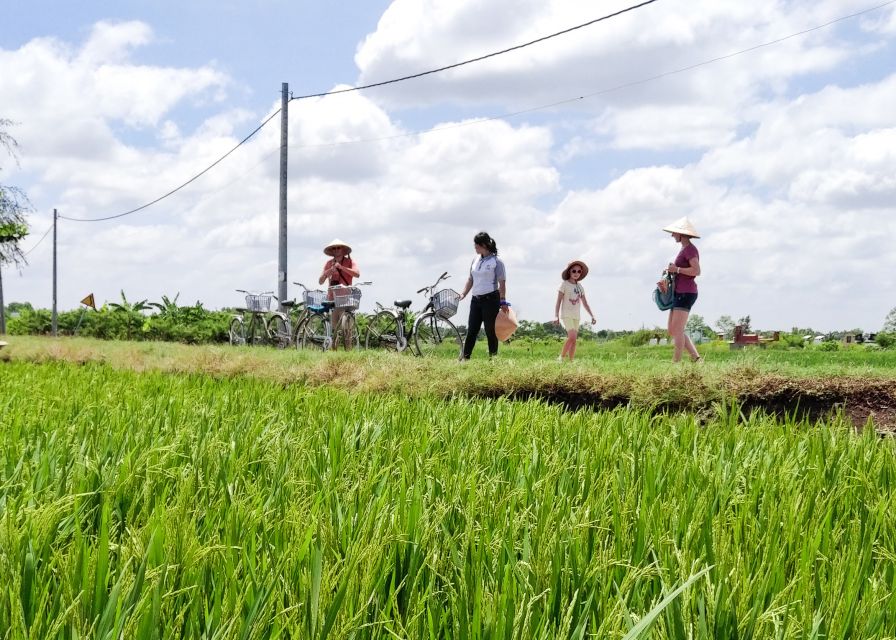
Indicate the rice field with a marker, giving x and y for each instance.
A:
(160, 505)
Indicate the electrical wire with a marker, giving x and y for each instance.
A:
(479, 58)
(359, 88)
(175, 190)
(487, 119)
(599, 92)
(50, 228)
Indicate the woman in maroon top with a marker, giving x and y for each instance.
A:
(339, 270)
(686, 268)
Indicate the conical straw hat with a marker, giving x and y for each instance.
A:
(336, 242)
(682, 226)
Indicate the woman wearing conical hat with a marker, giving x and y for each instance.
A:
(339, 270)
(685, 269)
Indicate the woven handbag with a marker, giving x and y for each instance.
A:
(664, 296)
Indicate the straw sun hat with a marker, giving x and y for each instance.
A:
(682, 226)
(565, 274)
(337, 243)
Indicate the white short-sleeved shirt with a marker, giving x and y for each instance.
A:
(486, 271)
(571, 304)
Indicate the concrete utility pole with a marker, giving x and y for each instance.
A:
(55, 323)
(2, 308)
(284, 136)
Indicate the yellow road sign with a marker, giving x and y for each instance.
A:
(89, 302)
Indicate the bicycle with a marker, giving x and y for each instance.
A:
(431, 330)
(254, 330)
(317, 330)
(279, 324)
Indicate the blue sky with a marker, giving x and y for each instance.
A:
(783, 157)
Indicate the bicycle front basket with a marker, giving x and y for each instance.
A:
(258, 302)
(444, 303)
(314, 298)
(346, 297)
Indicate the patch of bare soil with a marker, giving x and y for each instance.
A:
(858, 399)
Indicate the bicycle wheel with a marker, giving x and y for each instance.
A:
(434, 335)
(297, 331)
(383, 333)
(278, 330)
(316, 332)
(346, 335)
(237, 332)
(256, 332)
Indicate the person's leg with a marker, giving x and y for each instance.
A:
(474, 323)
(336, 326)
(348, 331)
(571, 339)
(678, 318)
(490, 310)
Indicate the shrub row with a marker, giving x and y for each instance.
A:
(191, 325)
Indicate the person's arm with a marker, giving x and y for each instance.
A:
(353, 271)
(501, 277)
(557, 307)
(693, 268)
(467, 287)
(327, 272)
(588, 309)
(502, 292)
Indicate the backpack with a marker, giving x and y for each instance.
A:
(665, 300)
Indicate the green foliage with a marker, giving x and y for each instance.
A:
(642, 337)
(13, 207)
(725, 325)
(697, 325)
(828, 345)
(793, 340)
(890, 322)
(129, 321)
(885, 340)
(161, 506)
(18, 307)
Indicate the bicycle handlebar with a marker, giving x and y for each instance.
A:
(444, 276)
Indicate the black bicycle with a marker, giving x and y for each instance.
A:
(430, 330)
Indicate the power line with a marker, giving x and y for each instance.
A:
(359, 88)
(175, 190)
(49, 229)
(490, 118)
(480, 58)
(618, 87)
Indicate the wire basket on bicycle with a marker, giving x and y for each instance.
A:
(314, 298)
(348, 298)
(444, 303)
(258, 302)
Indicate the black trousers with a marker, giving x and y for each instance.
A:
(483, 310)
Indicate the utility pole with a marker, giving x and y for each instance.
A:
(55, 323)
(2, 308)
(284, 136)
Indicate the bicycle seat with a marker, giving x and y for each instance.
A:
(327, 304)
(402, 304)
(289, 304)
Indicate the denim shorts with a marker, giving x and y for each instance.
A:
(684, 301)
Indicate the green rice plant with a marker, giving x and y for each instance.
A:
(151, 505)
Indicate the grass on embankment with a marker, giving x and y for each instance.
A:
(148, 505)
(863, 383)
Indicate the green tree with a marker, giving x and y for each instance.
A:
(697, 325)
(890, 322)
(745, 323)
(13, 206)
(725, 325)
